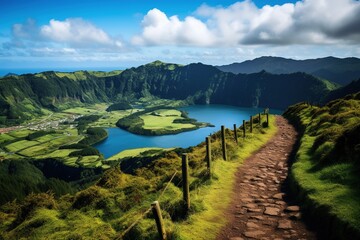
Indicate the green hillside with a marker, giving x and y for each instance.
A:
(326, 172)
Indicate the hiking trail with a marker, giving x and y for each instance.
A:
(260, 208)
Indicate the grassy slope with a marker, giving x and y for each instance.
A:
(326, 170)
(150, 151)
(163, 120)
(107, 208)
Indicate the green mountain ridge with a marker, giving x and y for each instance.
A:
(24, 96)
(338, 70)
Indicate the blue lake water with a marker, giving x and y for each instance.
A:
(217, 115)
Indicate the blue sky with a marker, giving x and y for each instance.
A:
(89, 34)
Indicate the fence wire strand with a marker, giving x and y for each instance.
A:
(120, 236)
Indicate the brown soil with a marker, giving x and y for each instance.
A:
(260, 208)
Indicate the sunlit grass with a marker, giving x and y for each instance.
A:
(22, 144)
(136, 152)
(164, 120)
(329, 178)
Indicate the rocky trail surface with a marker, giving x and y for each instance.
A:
(260, 208)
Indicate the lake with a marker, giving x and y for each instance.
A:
(217, 115)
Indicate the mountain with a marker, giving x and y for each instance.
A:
(11, 74)
(341, 71)
(24, 96)
(351, 88)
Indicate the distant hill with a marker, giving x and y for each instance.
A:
(351, 88)
(24, 96)
(11, 74)
(338, 70)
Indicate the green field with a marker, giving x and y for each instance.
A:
(89, 161)
(20, 133)
(34, 151)
(137, 152)
(5, 137)
(109, 119)
(19, 145)
(163, 119)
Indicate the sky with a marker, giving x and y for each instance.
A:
(118, 34)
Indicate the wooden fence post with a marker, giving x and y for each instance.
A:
(251, 124)
(259, 119)
(235, 133)
(208, 154)
(223, 141)
(267, 119)
(244, 123)
(185, 177)
(159, 220)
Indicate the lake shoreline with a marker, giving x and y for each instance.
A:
(119, 139)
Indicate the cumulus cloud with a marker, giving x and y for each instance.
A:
(61, 35)
(78, 32)
(243, 23)
(160, 29)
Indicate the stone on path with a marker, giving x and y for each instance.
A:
(252, 225)
(284, 224)
(255, 210)
(272, 211)
(236, 238)
(292, 209)
(254, 234)
(250, 205)
(279, 196)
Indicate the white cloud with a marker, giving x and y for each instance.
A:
(76, 31)
(70, 33)
(160, 29)
(243, 23)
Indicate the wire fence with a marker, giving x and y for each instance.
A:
(143, 215)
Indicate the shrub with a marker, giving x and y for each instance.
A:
(88, 151)
(35, 201)
(38, 134)
(94, 135)
(74, 146)
(119, 106)
(88, 197)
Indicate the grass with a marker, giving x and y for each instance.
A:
(163, 122)
(20, 133)
(163, 119)
(61, 153)
(207, 224)
(5, 137)
(323, 186)
(327, 166)
(34, 151)
(137, 152)
(90, 161)
(19, 145)
(110, 119)
(47, 138)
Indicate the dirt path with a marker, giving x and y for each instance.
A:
(260, 208)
